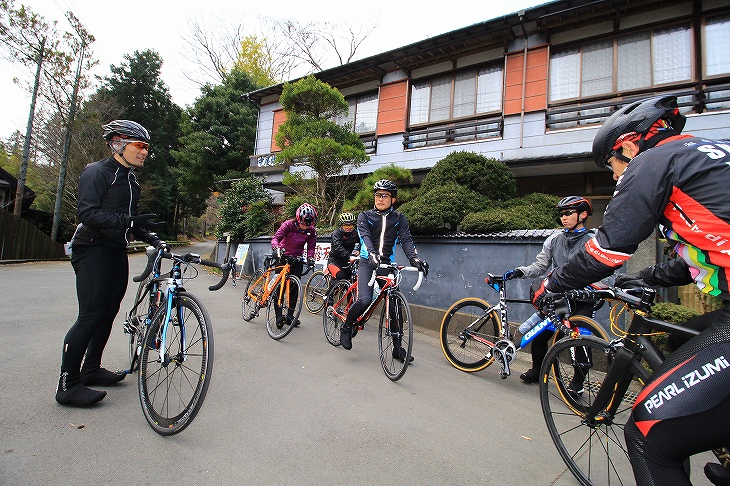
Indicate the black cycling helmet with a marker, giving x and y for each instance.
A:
(126, 129)
(635, 118)
(347, 218)
(386, 185)
(578, 203)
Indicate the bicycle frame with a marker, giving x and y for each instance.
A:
(280, 282)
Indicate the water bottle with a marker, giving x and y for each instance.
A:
(531, 322)
(376, 290)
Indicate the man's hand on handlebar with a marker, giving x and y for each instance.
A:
(421, 265)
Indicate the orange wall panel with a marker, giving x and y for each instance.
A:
(392, 108)
(535, 91)
(279, 118)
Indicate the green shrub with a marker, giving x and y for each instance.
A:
(535, 211)
(363, 199)
(235, 204)
(441, 209)
(485, 176)
(674, 313)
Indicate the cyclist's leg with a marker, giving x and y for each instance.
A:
(365, 296)
(538, 350)
(297, 269)
(684, 410)
(582, 356)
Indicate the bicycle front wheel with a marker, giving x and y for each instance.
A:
(280, 324)
(469, 330)
(594, 450)
(173, 385)
(316, 292)
(395, 336)
(252, 296)
(335, 314)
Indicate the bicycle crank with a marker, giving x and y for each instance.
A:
(504, 353)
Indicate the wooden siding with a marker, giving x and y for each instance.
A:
(21, 240)
(392, 108)
(536, 80)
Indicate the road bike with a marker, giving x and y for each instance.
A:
(588, 430)
(395, 330)
(474, 333)
(171, 340)
(273, 288)
(315, 291)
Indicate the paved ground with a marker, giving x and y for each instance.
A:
(295, 411)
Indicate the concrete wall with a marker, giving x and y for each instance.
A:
(458, 267)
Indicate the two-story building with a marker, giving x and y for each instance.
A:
(530, 89)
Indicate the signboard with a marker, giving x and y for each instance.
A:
(321, 253)
(242, 253)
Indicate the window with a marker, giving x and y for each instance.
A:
(363, 113)
(643, 60)
(717, 32)
(460, 95)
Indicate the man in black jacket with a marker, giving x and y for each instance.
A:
(108, 217)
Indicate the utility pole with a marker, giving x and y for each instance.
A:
(66, 147)
(20, 191)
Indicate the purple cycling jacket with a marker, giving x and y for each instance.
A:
(290, 237)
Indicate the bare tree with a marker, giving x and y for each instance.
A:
(212, 50)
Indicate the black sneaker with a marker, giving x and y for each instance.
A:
(400, 354)
(101, 377)
(346, 337)
(530, 376)
(280, 321)
(717, 474)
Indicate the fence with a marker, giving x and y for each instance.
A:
(21, 240)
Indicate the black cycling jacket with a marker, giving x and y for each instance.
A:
(343, 244)
(682, 184)
(380, 231)
(108, 195)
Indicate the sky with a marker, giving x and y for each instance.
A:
(131, 25)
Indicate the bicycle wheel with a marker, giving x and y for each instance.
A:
(255, 287)
(469, 330)
(172, 387)
(395, 336)
(594, 452)
(279, 328)
(316, 291)
(334, 315)
(572, 391)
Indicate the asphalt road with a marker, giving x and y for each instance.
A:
(295, 411)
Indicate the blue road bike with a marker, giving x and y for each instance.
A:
(474, 333)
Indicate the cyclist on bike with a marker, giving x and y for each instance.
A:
(557, 249)
(680, 182)
(289, 240)
(344, 243)
(108, 204)
(380, 229)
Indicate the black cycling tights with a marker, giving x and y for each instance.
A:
(102, 273)
(688, 403)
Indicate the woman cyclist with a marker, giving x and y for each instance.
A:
(289, 240)
(680, 182)
(344, 243)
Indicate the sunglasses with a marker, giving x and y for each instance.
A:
(140, 145)
(568, 212)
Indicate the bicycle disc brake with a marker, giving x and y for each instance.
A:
(504, 353)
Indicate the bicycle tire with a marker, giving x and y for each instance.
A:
(281, 330)
(249, 306)
(463, 351)
(395, 332)
(595, 453)
(315, 291)
(330, 320)
(172, 390)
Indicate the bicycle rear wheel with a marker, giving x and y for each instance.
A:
(594, 452)
(468, 333)
(333, 317)
(255, 288)
(172, 387)
(134, 324)
(280, 328)
(316, 291)
(395, 336)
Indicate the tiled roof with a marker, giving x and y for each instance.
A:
(498, 235)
